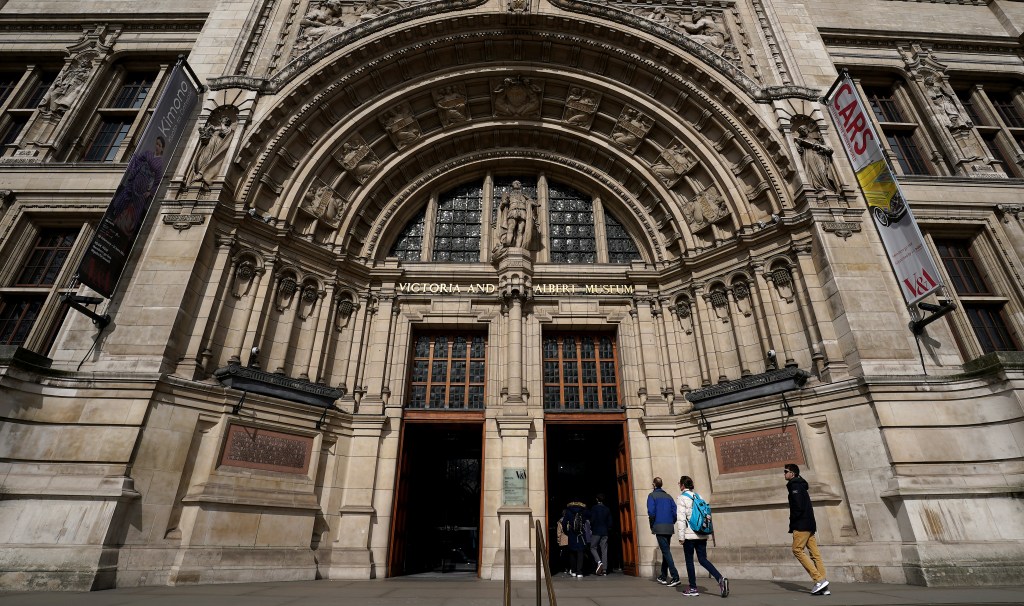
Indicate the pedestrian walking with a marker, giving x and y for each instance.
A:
(563, 543)
(600, 526)
(661, 511)
(575, 523)
(694, 542)
(803, 528)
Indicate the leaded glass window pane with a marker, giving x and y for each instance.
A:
(410, 242)
(571, 221)
(447, 371)
(580, 372)
(457, 228)
(621, 248)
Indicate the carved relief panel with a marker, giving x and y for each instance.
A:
(631, 128)
(451, 104)
(358, 159)
(517, 97)
(580, 107)
(704, 209)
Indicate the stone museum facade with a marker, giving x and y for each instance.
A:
(423, 268)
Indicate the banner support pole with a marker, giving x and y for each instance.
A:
(75, 302)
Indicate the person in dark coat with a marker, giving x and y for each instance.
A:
(577, 537)
(803, 527)
(600, 526)
(661, 510)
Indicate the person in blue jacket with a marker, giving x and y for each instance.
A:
(661, 510)
(577, 535)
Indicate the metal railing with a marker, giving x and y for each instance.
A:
(543, 568)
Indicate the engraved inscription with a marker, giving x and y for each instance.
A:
(263, 449)
(756, 450)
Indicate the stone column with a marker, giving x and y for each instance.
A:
(772, 313)
(707, 334)
(834, 365)
(242, 327)
(515, 433)
(310, 327)
(192, 364)
(647, 348)
(377, 357)
(360, 326)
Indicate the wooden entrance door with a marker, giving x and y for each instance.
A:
(627, 517)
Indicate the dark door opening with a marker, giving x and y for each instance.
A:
(582, 463)
(436, 523)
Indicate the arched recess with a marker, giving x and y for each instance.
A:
(298, 147)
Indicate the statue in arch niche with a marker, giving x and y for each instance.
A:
(817, 158)
(214, 140)
(517, 218)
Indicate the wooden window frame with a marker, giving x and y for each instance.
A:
(579, 384)
(430, 383)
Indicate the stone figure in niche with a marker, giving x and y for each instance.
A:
(401, 125)
(674, 162)
(517, 97)
(69, 85)
(631, 129)
(703, 29)
(517, 216)
(451, 105)
(580, 107)
(705, 209)
(214, 140)
(945, 103)
(358, 159)
(324, 204)
(817, 159)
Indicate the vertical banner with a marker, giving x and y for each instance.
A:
(105, 259)
(915, 270)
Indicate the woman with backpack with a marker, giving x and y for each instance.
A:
(575, 523)
(693, 541)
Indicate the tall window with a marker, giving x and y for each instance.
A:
(898, 127)
(580, 372)
(24, 300)
(621, 248)
(410, 242)
(120, 115)
(983, 308)
(995, 113)
(571, 217)
(20, 94)
(448, 371)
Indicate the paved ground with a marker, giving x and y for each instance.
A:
(614, 590)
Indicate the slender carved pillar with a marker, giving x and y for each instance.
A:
(355, 351)
(379, 348)
(706, 340)
(737, 337)
(241, 325)
(765, 338)
(192, 365)
(661, 328)
(646, 337)
(309, 313)
(834, 363)
(318, 349)
(764, 290)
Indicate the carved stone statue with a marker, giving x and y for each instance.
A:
(945, 103)
(580, 107)
(659, 16)
(674, 162)
(323, 21)
(451, 105)
(704, 209)
(401, 125)
(68, 86)
(358, 159)
(214, 140)
(703, 29)
(631, 128)
(517, 97)
(817, 159)
(517, 218)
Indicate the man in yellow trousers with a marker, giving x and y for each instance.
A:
(802, 526)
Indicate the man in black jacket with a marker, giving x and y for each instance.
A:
(600, 524)
(802, 526)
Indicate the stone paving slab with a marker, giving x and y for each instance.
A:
(615, 590)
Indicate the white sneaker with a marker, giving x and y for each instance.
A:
(826, 592)
(819, 586)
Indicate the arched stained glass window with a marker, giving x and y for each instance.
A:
(409, 244)
(621, 248)
(571, 220)
(457, 227)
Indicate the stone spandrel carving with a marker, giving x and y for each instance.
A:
(631, 129)
(580, 107)
(673, 162)
(703, 28)
(451, 104)
(324, 204)
(704, 209)
(517, 97)
(358, 159)
(401, 125)
(328, 18)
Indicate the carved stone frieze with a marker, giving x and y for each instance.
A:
(580, 107)
(324, 204)
(358, 159)
(402, 126)
(705, 209)
(674, 161)
(517, 97)
(328, 18)
(631, 129)
(451, 105)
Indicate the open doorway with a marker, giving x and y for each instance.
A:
(584, 460)
(436, 523)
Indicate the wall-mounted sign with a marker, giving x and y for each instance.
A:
(449, 288)
(513, 486)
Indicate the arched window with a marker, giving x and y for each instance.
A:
(410, 242)
(571, 218)
(457, 224)
(621, 248)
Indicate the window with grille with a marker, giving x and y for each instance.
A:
(134, 90)
(571, 220)
(47, 257)
(457, 225)
(448, 371)
(410, 241)
(983, 308)
(580, 372)
(621, 248)
(1007, 110)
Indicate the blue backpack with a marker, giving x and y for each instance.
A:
(700, 515)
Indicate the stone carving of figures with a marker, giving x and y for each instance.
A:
(517, 96)
(358, 159)
(674, 162)
(659, 16)
(703, 29)
(817, 159)
(451, 105)
(320, 23)
(631, 129)
(704, 209)
(580, 107)
(517, 217)
(324, 204)
(401, 126)
(214, 140)
(68, 86)
(948, 111)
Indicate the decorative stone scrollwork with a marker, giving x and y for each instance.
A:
(451, 104)
(673, 162)
(324, 204)
(344, 307)
(705, 209)
(311, 293)
(631, 129)
(246, 269)
(358, 159)
(517, 97)
(401, 125)
(580, 107)
(518, 6)
(1007, 210)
